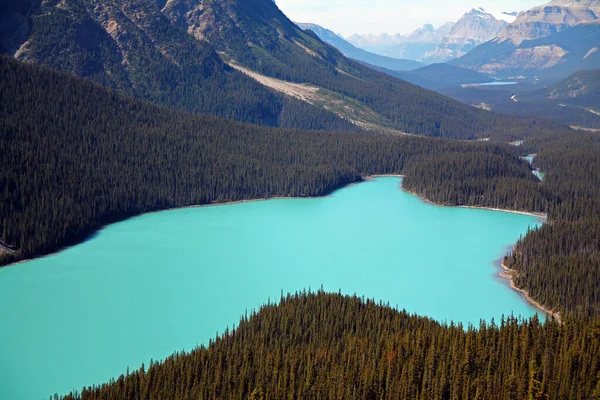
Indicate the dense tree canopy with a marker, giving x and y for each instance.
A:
(323, 346)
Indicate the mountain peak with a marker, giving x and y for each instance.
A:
(428, 28)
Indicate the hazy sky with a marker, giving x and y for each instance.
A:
(391, 16)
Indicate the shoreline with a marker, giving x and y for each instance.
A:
(542, 216)
(505, 274)
(509, 275)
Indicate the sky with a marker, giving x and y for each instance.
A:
(390, 16)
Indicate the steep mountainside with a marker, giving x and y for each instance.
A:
(174, 56)
(545, 20)
(258, 36)
(132, 47)
(549, 58)
(351, 51)
(15, 23)
(474, 28)
(582, 88)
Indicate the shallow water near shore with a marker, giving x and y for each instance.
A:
(167, 281)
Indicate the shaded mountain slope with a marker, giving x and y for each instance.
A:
(132, 47)
(439, 76)
(581, 88)
(168, 57)
(257, 35)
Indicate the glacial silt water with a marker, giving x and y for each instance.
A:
(163, 282)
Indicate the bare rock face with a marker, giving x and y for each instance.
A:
(474, 28)
(546, 42)
(545, 20)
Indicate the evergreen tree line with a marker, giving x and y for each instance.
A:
(329, 346)
(76, 156)
(559, 263)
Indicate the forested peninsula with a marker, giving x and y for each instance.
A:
(323, 346)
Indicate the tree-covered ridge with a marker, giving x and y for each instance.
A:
(76, 156)
(322, 346)
(130, 46)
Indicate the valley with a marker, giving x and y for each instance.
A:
(293, 212)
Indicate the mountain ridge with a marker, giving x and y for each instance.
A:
(473, 28)
(351, 51)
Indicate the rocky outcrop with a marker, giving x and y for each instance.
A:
(545, 20)
(551, 58)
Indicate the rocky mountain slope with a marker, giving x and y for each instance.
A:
(472, 29)
(244, 60)
(547, 42)
(581, 88)
(550, 58)
(545, 20)
(132, 47)
(351, 51)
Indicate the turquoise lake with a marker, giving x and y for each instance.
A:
(162, 282)
(496, 83)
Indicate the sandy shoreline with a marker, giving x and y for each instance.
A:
(509, 275)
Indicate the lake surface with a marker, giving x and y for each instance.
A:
(497, 83)
(168, 281)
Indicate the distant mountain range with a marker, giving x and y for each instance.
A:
(431, 45)
(351, 51)
(413, 46)
(545, 43)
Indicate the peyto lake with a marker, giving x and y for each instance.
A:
(162, 282)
